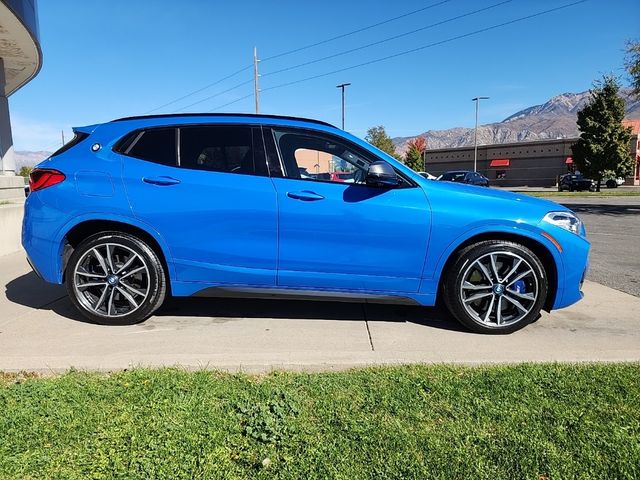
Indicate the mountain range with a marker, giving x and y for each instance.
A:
(553, 119)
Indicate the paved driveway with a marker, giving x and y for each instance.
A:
(39, 330)
(613, 228)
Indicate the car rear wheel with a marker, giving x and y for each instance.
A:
(495, 287)
(612, 184)
(115, 278)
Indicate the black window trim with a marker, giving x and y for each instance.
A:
(134, 142)
(409, 183)
(177, 132)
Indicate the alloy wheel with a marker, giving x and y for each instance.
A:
(111, 280)
(499, 289)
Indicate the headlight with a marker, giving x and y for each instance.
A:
(566, 220)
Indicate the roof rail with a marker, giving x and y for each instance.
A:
(250, 115)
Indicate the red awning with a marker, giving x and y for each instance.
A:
(499, 162)
(569, 161)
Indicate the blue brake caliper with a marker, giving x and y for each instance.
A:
(520, 286)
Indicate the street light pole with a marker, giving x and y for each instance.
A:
(342, 86)
(475, 136)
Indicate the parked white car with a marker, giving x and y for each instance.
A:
(613, 182)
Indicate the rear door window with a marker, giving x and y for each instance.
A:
(156, 145)
(223, 148)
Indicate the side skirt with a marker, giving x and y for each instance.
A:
(316, 295)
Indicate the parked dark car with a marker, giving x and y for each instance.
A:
(575, 182)
(465, 176)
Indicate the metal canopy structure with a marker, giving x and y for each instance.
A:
(20, 61)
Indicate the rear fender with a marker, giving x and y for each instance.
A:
(59, 240)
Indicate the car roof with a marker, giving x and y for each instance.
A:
(222, 116)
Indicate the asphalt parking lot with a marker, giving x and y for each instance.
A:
(40, 330)
(613, 228)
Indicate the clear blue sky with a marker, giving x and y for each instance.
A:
(107, 59)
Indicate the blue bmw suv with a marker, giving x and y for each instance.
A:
(136, 209)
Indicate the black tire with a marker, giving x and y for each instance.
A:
(612, 184)
(453, 291)
(146, 283)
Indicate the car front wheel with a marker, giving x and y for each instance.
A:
(115, 278)
(495, 287)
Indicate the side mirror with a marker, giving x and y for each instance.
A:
(381, 174)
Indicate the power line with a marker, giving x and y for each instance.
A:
(384, 40)
(353, 32)
(290, 52)
(232, 102)
(434, 44)
(200, 90)
(215, 95)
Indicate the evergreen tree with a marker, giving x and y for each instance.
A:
(414, 158)
(632, 64)
(603, 148)
(377, 136)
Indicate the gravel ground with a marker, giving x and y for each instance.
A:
(613, 228)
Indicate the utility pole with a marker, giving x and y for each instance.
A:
(62, 132)
(342, 86)
(475, 136)
(256, 90)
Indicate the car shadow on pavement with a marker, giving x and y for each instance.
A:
(436, 317)
(30, 291)
(604, 209)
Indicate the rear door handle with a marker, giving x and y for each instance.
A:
(305, 195)
(162, 181)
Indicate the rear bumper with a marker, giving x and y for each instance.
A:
(35, 270)
(38, 232)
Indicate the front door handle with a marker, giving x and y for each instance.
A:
(305, 196)
(162, 181)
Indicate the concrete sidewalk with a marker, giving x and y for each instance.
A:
(40, 331)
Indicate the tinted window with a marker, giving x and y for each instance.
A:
(313, 157)
(453, 176)
(77, 138)
(227, 149)
(157, 145)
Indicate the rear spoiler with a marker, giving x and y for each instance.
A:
(89, 129)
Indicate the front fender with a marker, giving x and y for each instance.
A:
(432, 277)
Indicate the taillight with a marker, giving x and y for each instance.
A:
(40, 178)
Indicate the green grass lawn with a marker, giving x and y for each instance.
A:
(424, 422)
